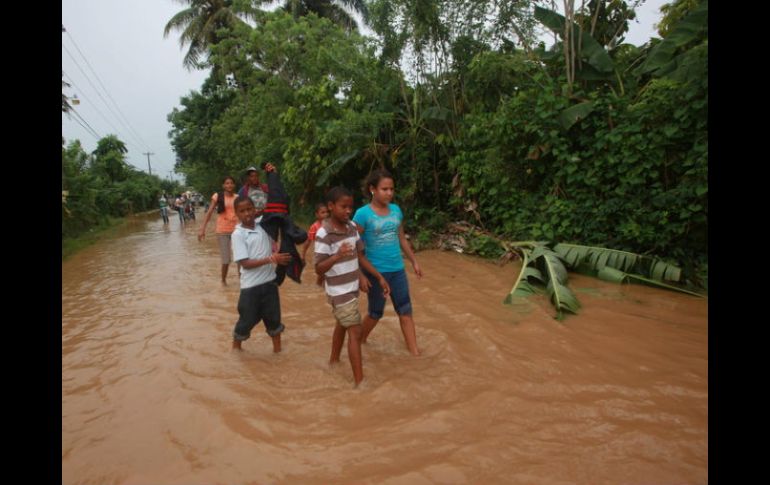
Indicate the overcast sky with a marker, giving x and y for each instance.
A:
(128, 78)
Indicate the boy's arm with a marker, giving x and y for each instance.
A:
(324, 262)
(241, 255)
(275, 258)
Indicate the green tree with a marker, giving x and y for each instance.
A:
(607, 20)
(673, 12)
(109, 158)
(200, 23)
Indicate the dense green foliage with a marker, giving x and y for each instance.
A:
(474, 118)
(485, 131)
(102, 185)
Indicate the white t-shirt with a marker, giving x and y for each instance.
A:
(253, 244)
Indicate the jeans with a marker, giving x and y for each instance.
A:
(399, 294)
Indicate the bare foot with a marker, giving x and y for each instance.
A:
(237, 345)
(277, 343)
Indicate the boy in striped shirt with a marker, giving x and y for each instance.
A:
(338, 254)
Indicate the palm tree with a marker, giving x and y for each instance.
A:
(199, 24)
(109, 158)
(328, 9)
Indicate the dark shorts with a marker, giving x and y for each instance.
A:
(258, 303)
(399, 294)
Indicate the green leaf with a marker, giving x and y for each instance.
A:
(560, 295)
(590, 73)
(660, 270)
(335, 166)
(591, 50)
(572, 254)
(612, 275)
(615, 276)
(575, 113)
(562, 298)
(662, 57)
(652, 282)
(521, 286)
(436, 113)
(597, 258)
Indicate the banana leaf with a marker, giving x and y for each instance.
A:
(436, 113)
(662, 58)
(660, 270)
(575, 113)
(336, 166)
(616, 276)
(523, 285)
(591, 50)
(595, 257)
(543, 265)
(560, 295)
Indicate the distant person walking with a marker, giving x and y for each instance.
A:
(163, 203)
(223, 203)
(179, 207)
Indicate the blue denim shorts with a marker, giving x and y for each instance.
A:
(399, 294)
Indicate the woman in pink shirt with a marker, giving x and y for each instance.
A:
(226, 221)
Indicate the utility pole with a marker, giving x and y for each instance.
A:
(148, 160)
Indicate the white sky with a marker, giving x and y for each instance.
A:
(643, 28)
(139, 75)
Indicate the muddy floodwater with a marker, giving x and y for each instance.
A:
(152, 394)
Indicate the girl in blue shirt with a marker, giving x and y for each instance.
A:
(381, 226)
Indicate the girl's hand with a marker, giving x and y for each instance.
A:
(417, 269)
(385, 286)
(201, 234)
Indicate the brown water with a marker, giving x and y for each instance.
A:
(151, 393)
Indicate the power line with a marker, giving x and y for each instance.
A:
(92, 105)
(96, 90)
(96, 137)
(105, 89)
(90, 130)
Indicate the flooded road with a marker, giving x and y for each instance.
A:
(152, 394)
